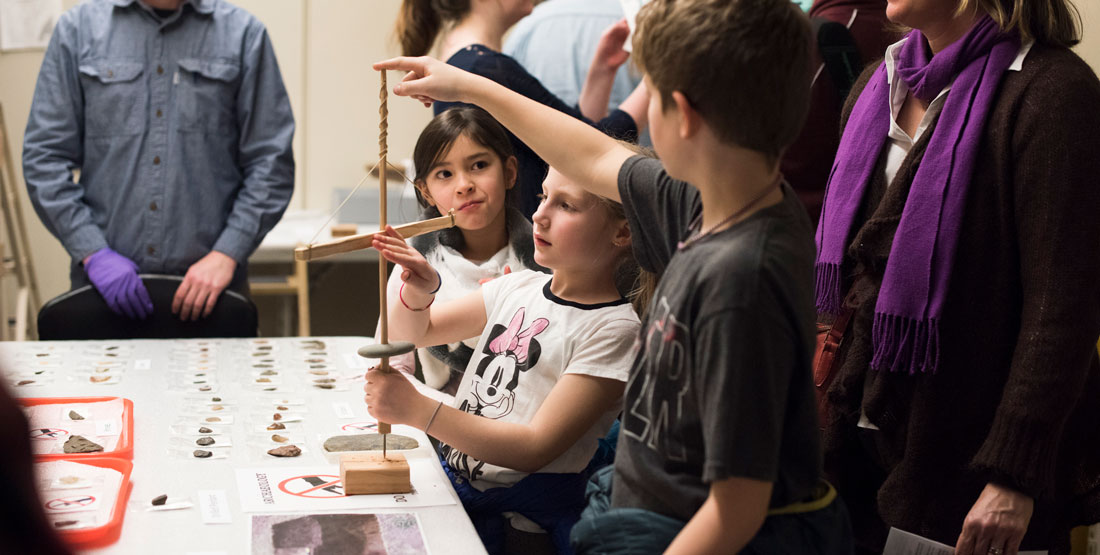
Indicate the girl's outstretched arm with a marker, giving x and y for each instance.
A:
(573, 405)
(411, 315)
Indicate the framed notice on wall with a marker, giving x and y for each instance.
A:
(27, 24)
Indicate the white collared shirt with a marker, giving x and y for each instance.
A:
(900, 142)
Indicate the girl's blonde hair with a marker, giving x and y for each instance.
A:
(633, 282)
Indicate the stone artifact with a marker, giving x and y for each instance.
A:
(73, 415)
(204, 441)
(81, 444)
(368, 442)
(160, 499)
(285, 451)
(201, 454)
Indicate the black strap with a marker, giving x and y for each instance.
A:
(838, 51)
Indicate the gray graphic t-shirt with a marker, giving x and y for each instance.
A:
(721, 386)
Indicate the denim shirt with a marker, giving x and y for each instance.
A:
(180, 128)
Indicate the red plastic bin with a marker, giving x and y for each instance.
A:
(125, 447)
(108, 533)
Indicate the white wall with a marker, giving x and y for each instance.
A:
(1089, 49)
(325, 48)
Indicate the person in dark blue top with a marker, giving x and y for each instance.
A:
(474, 42)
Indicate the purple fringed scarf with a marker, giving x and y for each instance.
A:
(905, 331)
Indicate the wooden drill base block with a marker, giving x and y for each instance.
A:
(371, 474)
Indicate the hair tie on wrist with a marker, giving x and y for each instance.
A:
(432, 419)
(439, 279)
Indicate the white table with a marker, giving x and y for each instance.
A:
(158, 400)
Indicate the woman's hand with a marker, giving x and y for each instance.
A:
(391, 398)
(419, 276)
(609, 51)
(428, 79)
(996, 523)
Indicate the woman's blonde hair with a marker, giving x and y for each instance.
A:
(1053, 22)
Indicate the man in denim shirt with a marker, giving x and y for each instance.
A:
(175, 114)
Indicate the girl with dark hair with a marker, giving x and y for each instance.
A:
(464, 161)
(472, 41)
(959, 232)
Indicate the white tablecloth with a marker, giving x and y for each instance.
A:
(159, 397)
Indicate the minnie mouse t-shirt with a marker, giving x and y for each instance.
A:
(532, 338)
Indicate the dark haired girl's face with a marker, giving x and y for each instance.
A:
(473, 181)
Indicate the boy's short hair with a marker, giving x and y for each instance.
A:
(744, 65)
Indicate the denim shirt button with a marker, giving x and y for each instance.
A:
(156, 160)
(160, 70)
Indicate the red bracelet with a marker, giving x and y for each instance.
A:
(401, 297)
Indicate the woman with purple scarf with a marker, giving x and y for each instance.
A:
(960, 234)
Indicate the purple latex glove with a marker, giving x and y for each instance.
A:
(115, 277)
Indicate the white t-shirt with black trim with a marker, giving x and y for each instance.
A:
(531, 339)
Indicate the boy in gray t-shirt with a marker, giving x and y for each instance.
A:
(721, 385)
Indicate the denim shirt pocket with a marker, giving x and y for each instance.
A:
(114, 97)
(207, 94)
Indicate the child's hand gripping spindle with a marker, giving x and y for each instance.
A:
(391, 398)
(419, 280)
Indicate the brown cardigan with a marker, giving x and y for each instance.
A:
(1016, 400)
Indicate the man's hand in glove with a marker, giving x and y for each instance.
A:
(116, 278)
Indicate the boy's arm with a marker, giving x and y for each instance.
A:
(729, 518)
(581, 153)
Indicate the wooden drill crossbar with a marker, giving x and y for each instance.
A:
(363, 240)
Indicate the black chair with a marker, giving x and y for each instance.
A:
(83, 314)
